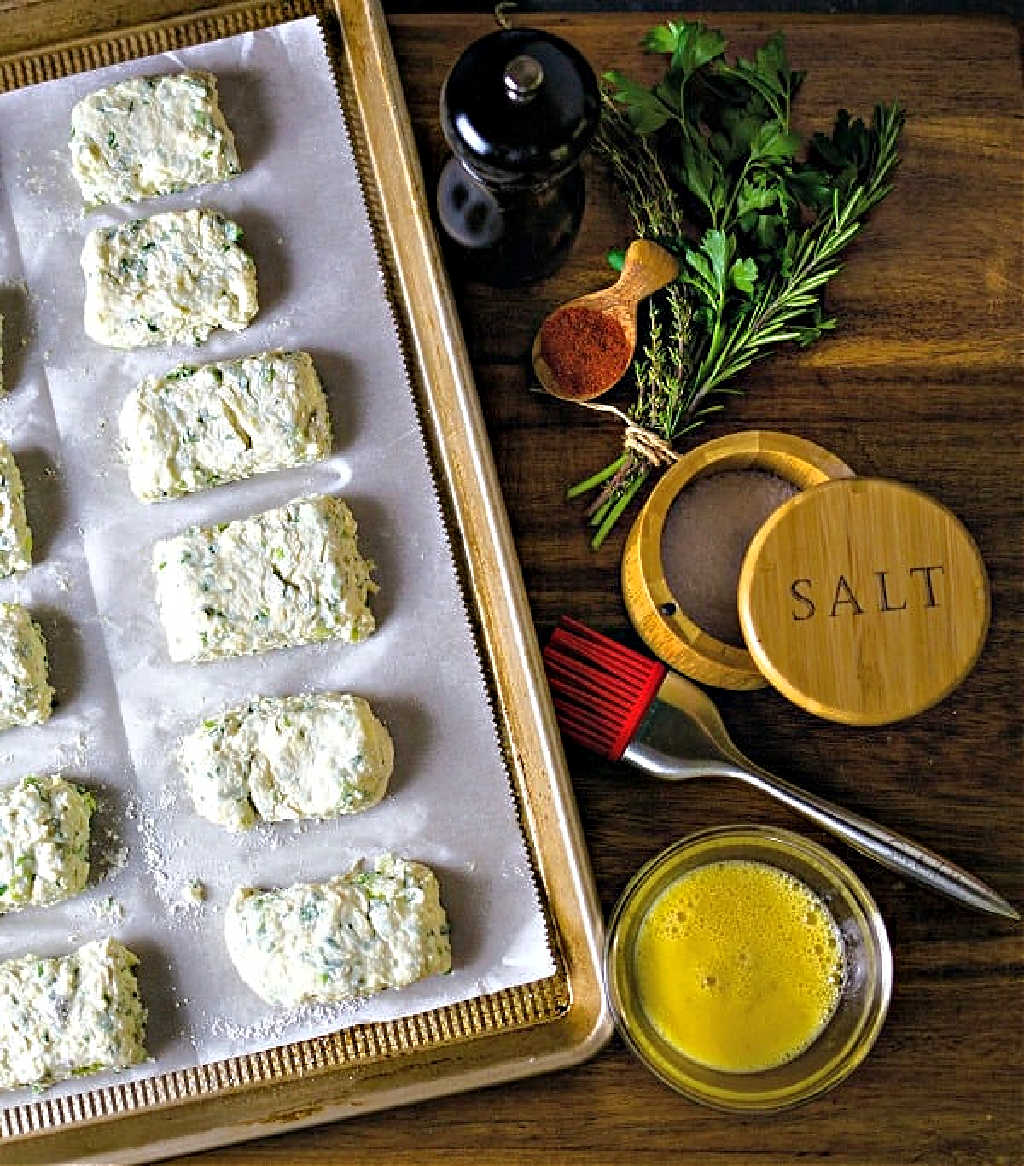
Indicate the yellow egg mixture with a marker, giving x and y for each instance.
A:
(739, 965)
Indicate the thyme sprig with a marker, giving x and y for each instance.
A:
(707, 163)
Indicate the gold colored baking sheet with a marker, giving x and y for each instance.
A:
(528, 1029)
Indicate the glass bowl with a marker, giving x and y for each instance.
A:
(864, 1000)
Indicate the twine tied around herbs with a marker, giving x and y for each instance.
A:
(651, 446)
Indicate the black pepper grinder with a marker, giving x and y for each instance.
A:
(518, 110)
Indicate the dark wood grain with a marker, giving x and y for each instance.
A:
(922, 382)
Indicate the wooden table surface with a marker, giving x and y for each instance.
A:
(922, 382)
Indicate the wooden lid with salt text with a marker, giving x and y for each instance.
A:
(864, 601)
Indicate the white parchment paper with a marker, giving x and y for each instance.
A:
(122, 704)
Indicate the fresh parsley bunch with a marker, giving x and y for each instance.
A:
(711, 168)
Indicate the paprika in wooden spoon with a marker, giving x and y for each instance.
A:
(585, 346)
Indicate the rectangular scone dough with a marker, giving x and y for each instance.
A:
(379, 926)
(44, 841)
(26, 697)
(168, 279)
(276, 759)
(148, 136)
(69, 1016)
(199, 426)
(15, 535)
(288, 576)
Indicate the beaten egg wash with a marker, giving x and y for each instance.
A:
(739, 965)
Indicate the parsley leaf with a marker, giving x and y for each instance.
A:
(645, 111)
(692, 46)
(743, 274)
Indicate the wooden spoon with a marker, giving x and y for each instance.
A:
(647, 268)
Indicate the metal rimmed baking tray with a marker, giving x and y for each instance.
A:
(530, 1028)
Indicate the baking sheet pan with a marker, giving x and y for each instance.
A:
(488, 568)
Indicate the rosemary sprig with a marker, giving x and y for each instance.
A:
(706, 161)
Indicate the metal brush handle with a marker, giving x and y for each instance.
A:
(682, 736)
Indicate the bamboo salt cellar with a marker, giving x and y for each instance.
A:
(861, 600)
(647, 268)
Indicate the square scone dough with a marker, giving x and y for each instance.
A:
(26, 697)
(70, 1015)
(277, 759)
(379, 926)
(168, 279)
(200, 425)
(44, 841)
(288, 576)
(15, 535)
(148, 136)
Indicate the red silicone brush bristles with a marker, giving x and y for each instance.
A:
(601, 690)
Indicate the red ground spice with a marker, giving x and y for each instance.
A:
(586, 350)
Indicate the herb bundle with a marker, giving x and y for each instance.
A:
(707, 162)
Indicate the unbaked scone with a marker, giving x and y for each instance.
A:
(288, 576)
(44, 841)
(168, 279)
(148, 136)
(279, 758)
(26, 697)
(70, 1015)
(200, 425)
(379, 926)
(15, 535)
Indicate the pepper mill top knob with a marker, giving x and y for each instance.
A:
(519, 108)
(523, 77)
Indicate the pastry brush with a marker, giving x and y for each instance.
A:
(622, 704)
